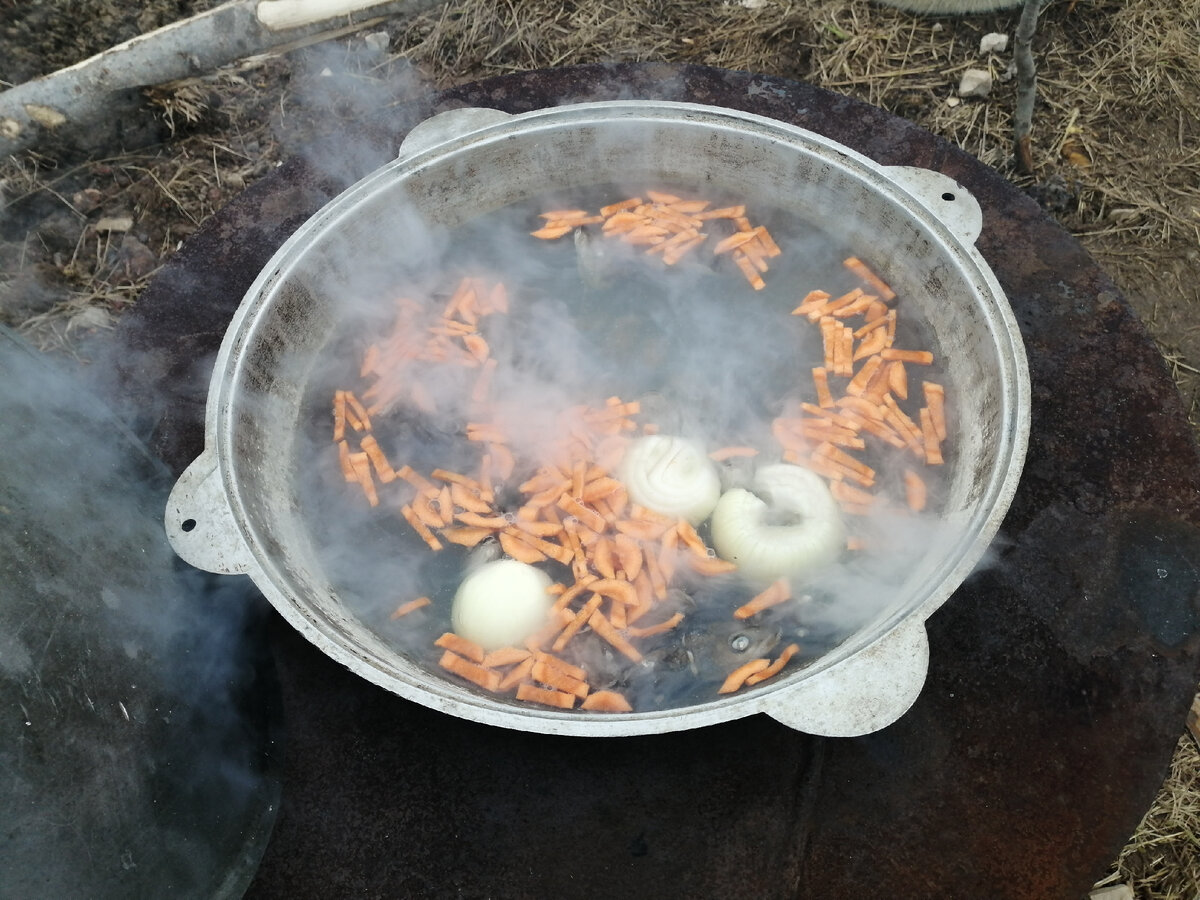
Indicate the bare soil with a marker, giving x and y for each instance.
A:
(1116, 138)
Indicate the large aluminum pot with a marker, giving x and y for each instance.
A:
(237, 508)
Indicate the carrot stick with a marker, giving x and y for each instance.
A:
(739, 675)
(725, 212)
(375, 453)
(935, 399)
(876, 341)
(821, 382)
(846, 353)
(743, 262)
(711, 565)
(629, 555)
(812, 305)
(420, 527)
(517, 674)
(606, 701)
(734, 241)
(649, 630)
(898, 379)
(933, 450)
(561, 664)
(339, 415)
(460, 645)
(858, 384)
(920, 357)
(848, 495)
(487, 679)
(612, 208)
(872, 325)
(505, 656)
(558, 679)
(469, 499)
(411, 606)
(914, 490)
(564, 214)
(362, 472)
(355, 410)
(580, 619)
(418, 481)
(519, 550)
(859, 268)
(551, 232)
(573, 507)
(779, 591)
(604, 628)
(344, 460)
(774, 668)
(532, 694)
(767, 241)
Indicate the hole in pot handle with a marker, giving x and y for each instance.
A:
(199, 522)
(869, 691)
(447, 126)
(944, 197)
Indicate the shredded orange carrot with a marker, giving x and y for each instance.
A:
(361, 464)
(606, 701)
(779, 591)
(935, 400)
(517, 674)
(411, 606)
(859, 268)
(556, 678)
(604, 628)
(533, 694)
(551, 232)
(420, 527)
(933, 450)
(487, 679)
(460, 645)
(919, 357)
(774, 668)
(339, 415)
(739, 675)
(914, 490)
(505, 656)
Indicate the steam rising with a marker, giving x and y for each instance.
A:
(708, 359)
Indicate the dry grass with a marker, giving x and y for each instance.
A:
(1116, 140)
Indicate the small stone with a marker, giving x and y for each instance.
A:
(936, 27)
(377, 41)
(975, 83)
(993, 43)
(1122, 215)
(1115, 892)
(114, 223)
(952, 102)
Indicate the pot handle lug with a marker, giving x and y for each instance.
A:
(867, 692)
(200, 524)
(944, 197)
(447, 126)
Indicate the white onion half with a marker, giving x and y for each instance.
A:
(672, 476)
(811, 536)
(501, 603)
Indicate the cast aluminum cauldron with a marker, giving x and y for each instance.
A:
(235, 509)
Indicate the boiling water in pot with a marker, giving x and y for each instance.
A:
(702, 354)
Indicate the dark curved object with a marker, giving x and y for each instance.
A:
(1060, 674)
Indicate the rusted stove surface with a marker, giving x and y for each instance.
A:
(1059, 679)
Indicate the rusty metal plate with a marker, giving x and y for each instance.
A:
(1060, 675)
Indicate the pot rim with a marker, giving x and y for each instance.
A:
(898, 637)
